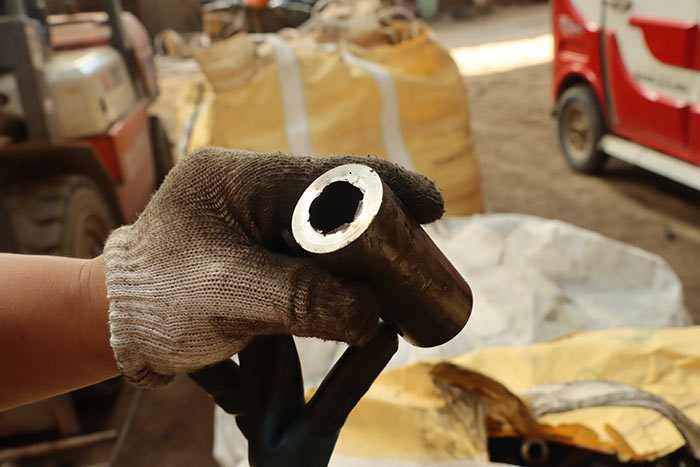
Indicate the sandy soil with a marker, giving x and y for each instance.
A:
(505, 23)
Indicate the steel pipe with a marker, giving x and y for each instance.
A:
(354, 225)
(535, 451)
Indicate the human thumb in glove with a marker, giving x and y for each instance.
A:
(204, 268)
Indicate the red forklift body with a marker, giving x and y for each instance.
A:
(122, 151)
(125, 149)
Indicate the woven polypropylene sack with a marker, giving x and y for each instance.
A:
(404, 101)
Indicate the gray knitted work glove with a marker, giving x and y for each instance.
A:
(204, 268)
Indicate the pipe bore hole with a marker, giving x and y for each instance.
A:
(336, 206)
(535, 451)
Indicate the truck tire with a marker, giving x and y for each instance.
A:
(162, 149)
(580, 126)
(62, 215)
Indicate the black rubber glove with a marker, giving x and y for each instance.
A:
(267, 395)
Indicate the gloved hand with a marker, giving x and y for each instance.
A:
(266, 393)
(205, 267)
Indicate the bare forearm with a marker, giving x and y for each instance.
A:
(54, 333)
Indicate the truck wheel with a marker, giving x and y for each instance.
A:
(162, 149)
(59, 215)
(580, 127)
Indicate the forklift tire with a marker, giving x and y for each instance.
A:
(162, 149)
(63, 215)
(580, 126)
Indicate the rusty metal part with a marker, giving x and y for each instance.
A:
(505, 410)
(355, 226)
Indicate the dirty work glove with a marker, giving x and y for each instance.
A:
(205, 268)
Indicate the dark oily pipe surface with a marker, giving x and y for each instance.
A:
(423, 296)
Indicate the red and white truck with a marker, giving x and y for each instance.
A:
(627, 84)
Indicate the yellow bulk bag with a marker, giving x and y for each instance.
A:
(300, 94)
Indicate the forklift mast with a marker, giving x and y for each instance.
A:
(113, 8)
(20, 66)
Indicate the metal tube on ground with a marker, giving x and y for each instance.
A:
(535, 451)
(354, 225)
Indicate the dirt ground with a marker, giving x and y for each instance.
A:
(173, 427)
(522, 172)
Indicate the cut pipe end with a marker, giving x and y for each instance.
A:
(337, 208)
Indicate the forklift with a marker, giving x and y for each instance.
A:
(79, 155)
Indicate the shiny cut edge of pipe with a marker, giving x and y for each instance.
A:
(360, 176)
